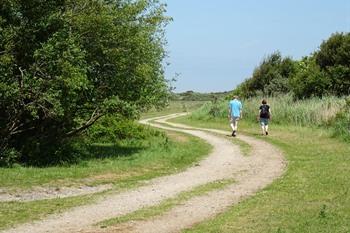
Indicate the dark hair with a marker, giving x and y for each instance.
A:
(264, 101)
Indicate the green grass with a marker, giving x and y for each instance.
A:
(168, 204)
(124, 165)
(118, 162)
(312, 196)
(214, 123)
(285, 110)
(174, 107)
(13, 213)
(330, 112)
(245, 148)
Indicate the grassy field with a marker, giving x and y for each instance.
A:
(285, 110)
(174, 107)
(159, 156)
(124, 164)
(314, 194)
(119, 163)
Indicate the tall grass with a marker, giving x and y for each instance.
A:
(333, 112)
(285, 110)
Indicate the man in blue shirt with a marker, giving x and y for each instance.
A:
(235, 113)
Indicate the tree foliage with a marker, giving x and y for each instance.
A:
(309, 80)
(66, 63)
(270, 77)
(333, 58)
(325, 72)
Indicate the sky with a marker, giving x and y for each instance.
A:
(214, 45)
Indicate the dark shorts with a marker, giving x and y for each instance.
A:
(264, 121)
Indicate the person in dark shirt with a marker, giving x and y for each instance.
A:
(265, 116)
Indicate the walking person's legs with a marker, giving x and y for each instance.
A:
(234, 125)
(267, 129)
(264, 126)
(262, 129)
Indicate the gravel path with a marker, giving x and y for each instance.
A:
(46, 193)
(251, 173)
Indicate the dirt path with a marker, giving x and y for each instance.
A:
(46, 193)
(251, 173)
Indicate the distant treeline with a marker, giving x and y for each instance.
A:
(325, 72)
(196, 96)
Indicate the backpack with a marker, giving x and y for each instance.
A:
(264, 113)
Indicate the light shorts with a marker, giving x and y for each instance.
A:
(234, 119)
(264, 121)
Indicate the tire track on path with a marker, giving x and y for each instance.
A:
(251, 174)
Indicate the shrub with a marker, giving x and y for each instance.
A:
(65, 64)
(8, 157)
(111, 129)
(341, 124)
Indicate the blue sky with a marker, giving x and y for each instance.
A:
(215, 45)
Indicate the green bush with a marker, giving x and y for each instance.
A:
(325, 72)
(111, 129)
(211, 110)
(9, 157)
(309, 81)
(66, 64)
(271, 77)
(341, 124)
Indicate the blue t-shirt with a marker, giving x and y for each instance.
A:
(236, 107)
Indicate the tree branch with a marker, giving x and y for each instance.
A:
(21, 131)
(20, 79)
(94, 117)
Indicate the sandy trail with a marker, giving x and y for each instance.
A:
(251, 174)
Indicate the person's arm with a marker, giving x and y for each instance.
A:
(241, 111)
(229, 112)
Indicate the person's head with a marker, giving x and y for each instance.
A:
(235, 97)
(264, 101)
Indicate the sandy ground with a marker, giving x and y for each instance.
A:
(251, 174)
(45, 193)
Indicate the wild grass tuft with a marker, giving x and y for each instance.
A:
(332, 112)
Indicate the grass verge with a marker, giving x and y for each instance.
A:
(149, 212)
(245, 148)
(174, 107)
(313, 196)
(117, 163)
(126, 165)
(14, 213)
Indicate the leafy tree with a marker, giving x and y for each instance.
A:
(333, 58)
(325, 72)
(309, 80)
(66, 64)
(269, 78)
